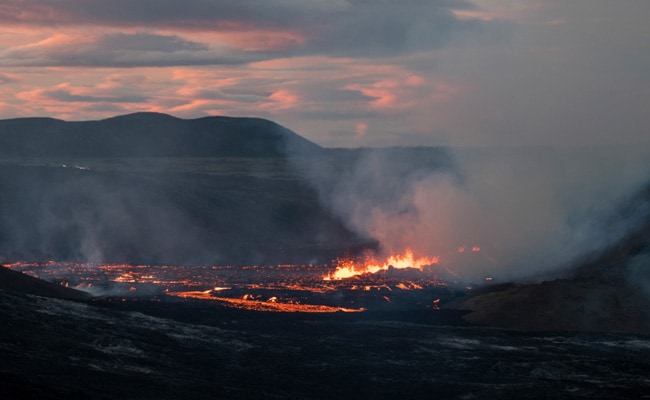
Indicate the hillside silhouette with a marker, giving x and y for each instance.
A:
(20, 283)
(152, 188)
(149, 135)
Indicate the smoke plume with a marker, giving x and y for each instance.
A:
(507, 213)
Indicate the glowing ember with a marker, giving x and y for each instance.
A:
(348, 268)
(475, 249)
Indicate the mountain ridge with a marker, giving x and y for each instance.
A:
(147, 134)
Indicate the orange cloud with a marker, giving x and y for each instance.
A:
(360, 129)
(282, 99)
(389, 94)
(262, 40)
(304, 63)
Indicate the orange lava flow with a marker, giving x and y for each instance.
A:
(348, 268)
(271, 305)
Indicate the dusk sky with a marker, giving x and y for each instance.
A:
(342, 73)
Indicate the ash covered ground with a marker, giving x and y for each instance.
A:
(59, 349)
(145, 343)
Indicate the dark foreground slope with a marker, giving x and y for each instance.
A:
(57, 349)
(17, 282)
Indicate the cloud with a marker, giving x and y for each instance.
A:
(103, 108)
(120, 50)
(117, 93)
(6, 79)
(369, 28)
(529, 211)
(64, 95)
(223, 94)
(383, 28)
(198, 13)
(143, 41)
(582, 81)
(502, 72)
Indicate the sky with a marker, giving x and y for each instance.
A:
(342, 73)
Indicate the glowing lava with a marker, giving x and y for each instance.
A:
(270, 305)
(273, 288)
(347, 268)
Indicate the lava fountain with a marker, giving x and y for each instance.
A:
(348, 267)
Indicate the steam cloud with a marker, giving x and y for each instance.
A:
(529, 210)
(64, 213)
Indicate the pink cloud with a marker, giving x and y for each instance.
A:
(281, 99)
(360, 129)
(392, 95)
(295, 92)
(15, 13)
(383, 93)
(261, 40)
(304, 64)
(9, 78)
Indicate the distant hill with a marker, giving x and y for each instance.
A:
(151, 188)
(160, 211)
(149, 135)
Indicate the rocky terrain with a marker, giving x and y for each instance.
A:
(60, 349)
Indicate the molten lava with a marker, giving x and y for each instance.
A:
(272, 304)
(347, 268)
(272, 288)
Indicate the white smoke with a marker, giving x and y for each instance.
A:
(528, 210)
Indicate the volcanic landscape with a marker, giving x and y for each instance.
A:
(148, 256)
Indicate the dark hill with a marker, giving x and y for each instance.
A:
(609, 293)
(17, 282)
(151, 188)
(149, 135)
(160, 211)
